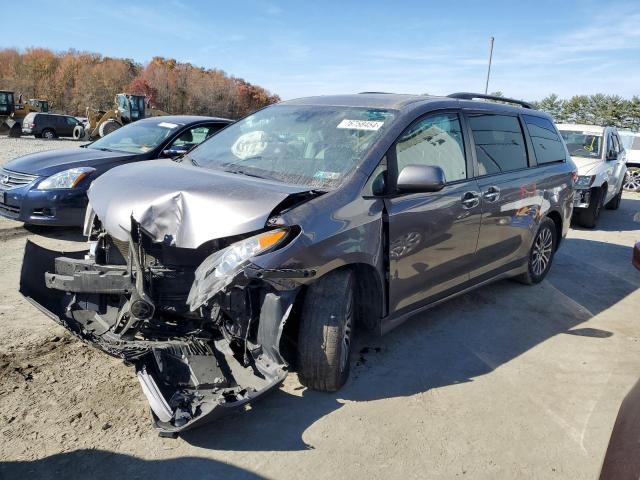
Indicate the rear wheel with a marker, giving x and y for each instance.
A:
(107, 127)
(48, 134)
(632, 180)
(588, 217)
(541, 253)
(326, 332)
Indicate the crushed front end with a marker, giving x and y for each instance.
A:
(202, 327)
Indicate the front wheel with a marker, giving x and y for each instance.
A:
(107, 127)
(614, 203)
(78, 132)
(326, 331)
(589, 216)
(541, 253)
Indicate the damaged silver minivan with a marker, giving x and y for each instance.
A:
(265, 248)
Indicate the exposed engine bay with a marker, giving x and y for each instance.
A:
(202, 327)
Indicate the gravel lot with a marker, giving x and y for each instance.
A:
(506, 382)
(15, 147)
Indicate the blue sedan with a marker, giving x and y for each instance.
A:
(50, 188)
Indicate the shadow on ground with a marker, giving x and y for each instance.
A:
(99, 464)
(625, 219)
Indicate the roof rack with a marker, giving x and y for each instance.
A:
(472, 96)
(381, 93)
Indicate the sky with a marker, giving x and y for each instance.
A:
(298, 48)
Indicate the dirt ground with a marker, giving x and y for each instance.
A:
(507, 381)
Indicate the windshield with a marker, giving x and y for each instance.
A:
(303, 145)
(139, 137)
(583, 144)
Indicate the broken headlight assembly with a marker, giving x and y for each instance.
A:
(66, 179)
(218, 270)
(585, 181)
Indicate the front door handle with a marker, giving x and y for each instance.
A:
(492, 194)
(470, 199)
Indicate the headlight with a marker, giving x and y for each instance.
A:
(585, 180)
(66, 179)
(219, 269)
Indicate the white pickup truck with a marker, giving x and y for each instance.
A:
(601, 160)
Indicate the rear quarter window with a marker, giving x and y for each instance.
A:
(499, 143)
(547, 145)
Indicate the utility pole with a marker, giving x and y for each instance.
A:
(486, 85)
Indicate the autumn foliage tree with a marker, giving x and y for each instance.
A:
(73, 80)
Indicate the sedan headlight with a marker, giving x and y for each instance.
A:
(219, 269)
(66, 179)
(585, 180)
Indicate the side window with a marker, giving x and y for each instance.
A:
(546, 143)
(435, 140)
(192, 137)
(610, 146)
(71, 121)
(616, 143)
(499, 143)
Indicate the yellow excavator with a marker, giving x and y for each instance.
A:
(127, 108)
(12, 113)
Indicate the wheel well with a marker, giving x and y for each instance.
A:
(368, 301)
(557, 220)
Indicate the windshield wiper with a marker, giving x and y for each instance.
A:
(254, 175)
(104, 149)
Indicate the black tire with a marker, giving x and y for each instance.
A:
(107, 127)
(614, 203)
(545, 240)
(588, 217)
(78, 132)
(326, 331)
(48, 134)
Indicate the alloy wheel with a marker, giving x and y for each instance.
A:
(632, 181)
(541, 254)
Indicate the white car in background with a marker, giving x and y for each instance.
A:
(601, 160)
(631, 143)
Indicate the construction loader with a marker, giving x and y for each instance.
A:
(127, 108)
(12, 113)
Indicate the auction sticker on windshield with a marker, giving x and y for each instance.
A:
(167, 125)
(360, 125)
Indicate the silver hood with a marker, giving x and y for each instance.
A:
(183, 205)
(587, 165)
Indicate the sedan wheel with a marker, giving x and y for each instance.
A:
(632, 182)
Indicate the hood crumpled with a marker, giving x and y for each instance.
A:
(181, 205)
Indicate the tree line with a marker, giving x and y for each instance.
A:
(598, 109)
(73, 81)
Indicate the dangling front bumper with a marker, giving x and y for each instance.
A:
(187, 380)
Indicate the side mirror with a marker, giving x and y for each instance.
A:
(170, 153)
(421, 178)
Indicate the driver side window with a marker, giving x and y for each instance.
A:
(435, 140)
